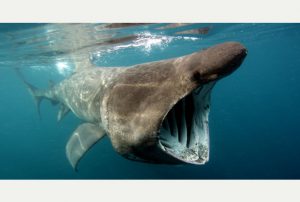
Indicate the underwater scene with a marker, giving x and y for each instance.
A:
(150, 101)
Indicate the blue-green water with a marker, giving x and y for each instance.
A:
(254, 118)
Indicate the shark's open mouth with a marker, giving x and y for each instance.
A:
(184, 133)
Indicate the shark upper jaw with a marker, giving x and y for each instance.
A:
(184, 132)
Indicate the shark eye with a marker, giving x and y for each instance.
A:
(196, 77)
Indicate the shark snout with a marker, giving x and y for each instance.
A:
(215, 62)
(228, 57)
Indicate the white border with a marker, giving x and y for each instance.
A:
(150, 11)
(149, 191)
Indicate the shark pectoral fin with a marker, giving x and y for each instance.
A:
(63, 111)
(82, 139)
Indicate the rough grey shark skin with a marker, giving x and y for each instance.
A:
(154, 112)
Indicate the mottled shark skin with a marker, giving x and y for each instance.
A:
(155, 112)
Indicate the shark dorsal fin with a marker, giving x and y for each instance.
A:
(82, 62)
(82, 139)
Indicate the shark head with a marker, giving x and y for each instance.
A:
(158, 112)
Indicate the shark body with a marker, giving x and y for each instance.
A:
(154, 112)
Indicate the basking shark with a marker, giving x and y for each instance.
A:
(155, 112)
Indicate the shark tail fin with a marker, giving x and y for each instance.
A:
(37, 97)
(36, 93)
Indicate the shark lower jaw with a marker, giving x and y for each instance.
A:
(184, 133)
